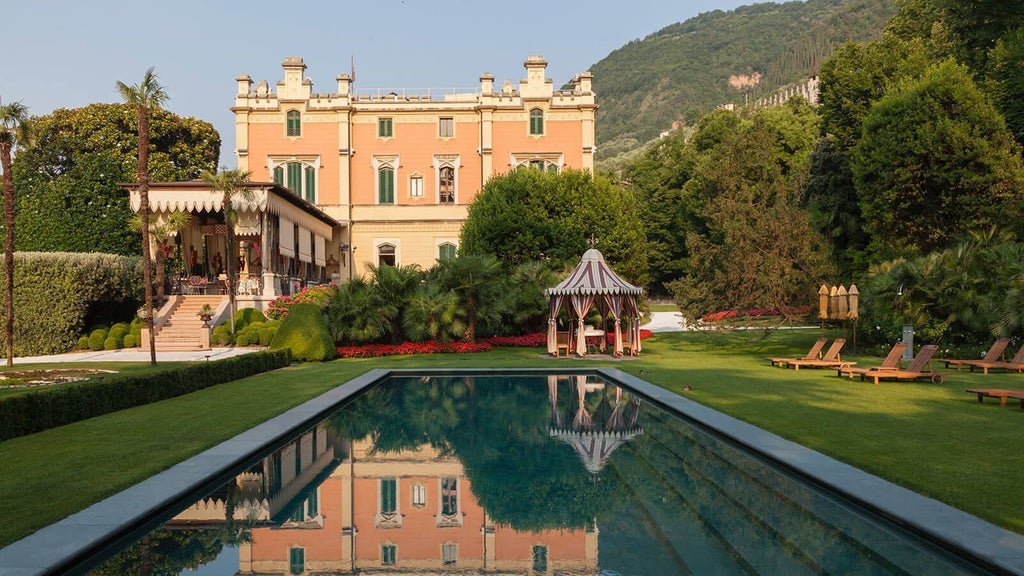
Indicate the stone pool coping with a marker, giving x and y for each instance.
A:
(73, 544)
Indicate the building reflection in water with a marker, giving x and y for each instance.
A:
(328, 505)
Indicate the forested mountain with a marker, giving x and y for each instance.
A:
(684, 70)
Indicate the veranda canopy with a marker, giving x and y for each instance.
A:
(594, 283)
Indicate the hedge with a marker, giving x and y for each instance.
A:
(45, 409)
(57, 295)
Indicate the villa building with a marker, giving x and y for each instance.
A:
(398, 170)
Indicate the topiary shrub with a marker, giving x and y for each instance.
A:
(83, 343)
(247, 316)
(220, 335)
(110, 343)
(266, 334)
(242, 339)
(130, 341)
(304, 332)
(96, 339)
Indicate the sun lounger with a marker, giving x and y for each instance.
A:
(919, 367)
(813, 354)
(891, 362)
(830, 359)
(1000, 393)
(994, 354)
(1015, 364)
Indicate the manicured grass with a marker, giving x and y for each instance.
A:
(934, 439)
(16, 388)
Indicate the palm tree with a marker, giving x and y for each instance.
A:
(231, 184)
(145, 96)
(393, 286)
(14, 132)
(159, 234)
(474, 277)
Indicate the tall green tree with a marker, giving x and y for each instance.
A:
(14, 132)
(70, 178)
(145, 96)
(935, 161)
(231, 185)
(531, 214)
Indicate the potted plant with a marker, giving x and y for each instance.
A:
(205, 312)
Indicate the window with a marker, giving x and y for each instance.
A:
(540, 558)
(297, 560)
(298, 457)
(297, 174)
(416, 186)
(386, 255)
(385, 128)
(446, 128)
(388, 554)
(294, 123)
(446, 252)
(386, 185)
(419, 495)
(446, 185)
(388, 495)
(449, 554)
(536, 122)
(449, 496)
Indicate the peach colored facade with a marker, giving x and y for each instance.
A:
(351, 532)
(398, 171)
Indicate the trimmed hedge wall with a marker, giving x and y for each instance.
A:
(45, 409)
(57, 295)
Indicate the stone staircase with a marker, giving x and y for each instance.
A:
(183, 328)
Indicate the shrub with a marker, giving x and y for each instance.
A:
(247, 316)
(242, 339)
(49, 408)
(304, 332)
(221, 336)
(130, 341)
(110, 343)
(319, 295)
(96, 339)
(266, 334)
(118, 332)
(83, 343)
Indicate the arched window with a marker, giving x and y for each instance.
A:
(386, 255)
(536, 122)
(294, 123)
(446, 185)
(297, 174)
(446, 252)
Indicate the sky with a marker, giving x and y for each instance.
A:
(71, 53)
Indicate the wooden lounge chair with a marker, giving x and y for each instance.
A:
(830, 359)
(561, 343)
(891, 362)
(1015, 364)
(994, 354)
(1018, 397)
(919, 367)
(1000, 393)
(813, 354)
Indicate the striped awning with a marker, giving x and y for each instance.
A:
(593, 276)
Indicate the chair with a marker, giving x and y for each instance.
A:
(1000, 393)
(830, 359)
(994, 354)
(813, 354)
(1015, 364)
(919, 367)
(561, 343)
(891, 362)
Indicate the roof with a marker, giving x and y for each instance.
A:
(593, 276)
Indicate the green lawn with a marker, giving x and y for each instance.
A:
(934, 439)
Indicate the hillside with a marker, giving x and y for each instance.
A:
(686, 69)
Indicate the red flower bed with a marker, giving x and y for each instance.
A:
(537, 340)
(431, 347)
(751, 313)
(278, 308)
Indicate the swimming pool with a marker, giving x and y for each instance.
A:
(521, 472)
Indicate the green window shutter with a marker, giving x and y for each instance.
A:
(446, 252)
(386, 185)
(294, 123)
(388, 554)
(278, 175)
(297, 560)
(388, 495)
(310, 189)
(536, 121)
(385, 128)
(295, 177)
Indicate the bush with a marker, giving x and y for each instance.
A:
(83, 343)
(304, 333)
(130, 341)
(49, 408)
(221, 336)
(247, 316)
(96, 339)
(110, 343)
(242, 339)
(266, 334)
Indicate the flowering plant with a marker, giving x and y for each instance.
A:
(205, 311)
(278, 308)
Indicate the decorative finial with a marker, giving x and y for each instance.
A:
(592, 241)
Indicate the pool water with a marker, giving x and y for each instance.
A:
(523, 474)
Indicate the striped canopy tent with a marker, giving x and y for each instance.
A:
(593, 284)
